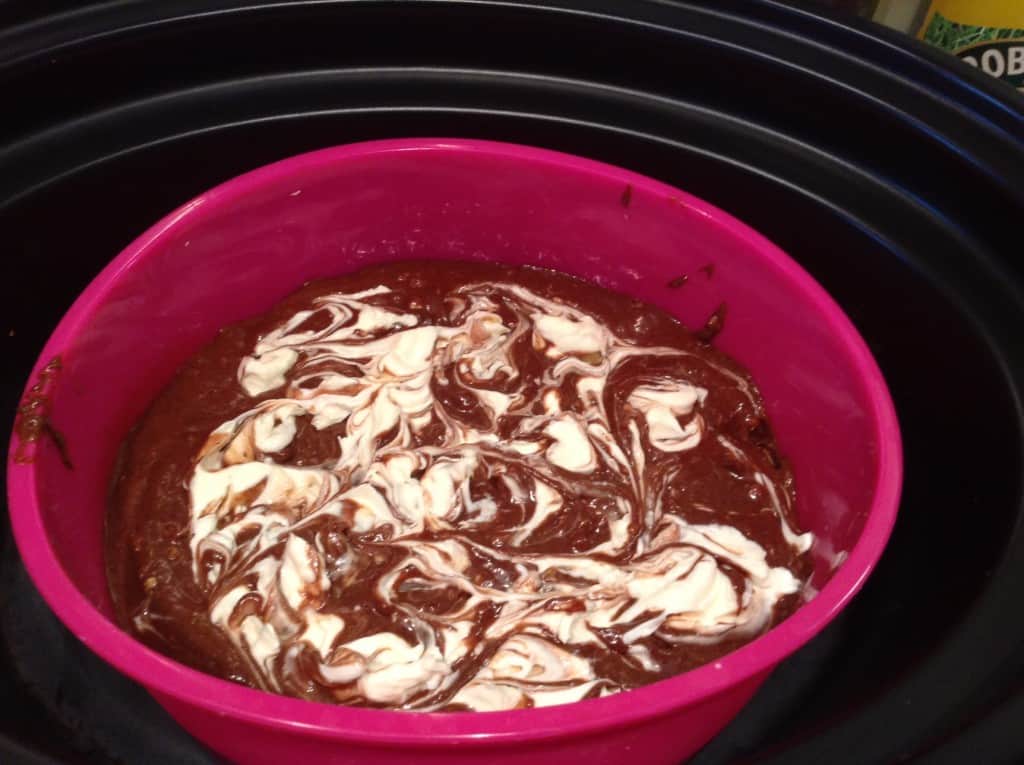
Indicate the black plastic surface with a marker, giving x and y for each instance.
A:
(894, 179)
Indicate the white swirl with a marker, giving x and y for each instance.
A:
(372, 376)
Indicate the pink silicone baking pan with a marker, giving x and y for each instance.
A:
(233, 251)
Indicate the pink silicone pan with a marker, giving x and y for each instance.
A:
(233, 251)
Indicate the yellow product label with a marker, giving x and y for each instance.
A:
(987, 34)
(978, 13)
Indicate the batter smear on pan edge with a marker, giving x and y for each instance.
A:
(457, 487)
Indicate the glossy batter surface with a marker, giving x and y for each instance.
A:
(448, 486)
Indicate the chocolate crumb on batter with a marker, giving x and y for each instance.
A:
(627, 195)
(33, 418)
(713, 326)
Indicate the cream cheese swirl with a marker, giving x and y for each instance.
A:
(451, 463)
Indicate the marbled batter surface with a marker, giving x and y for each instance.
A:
(447, 486)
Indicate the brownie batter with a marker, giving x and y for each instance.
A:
(454, 486)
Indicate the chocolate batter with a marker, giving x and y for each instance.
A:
(454, 486)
